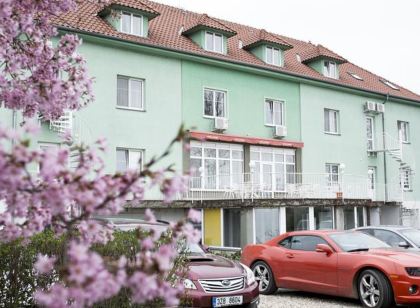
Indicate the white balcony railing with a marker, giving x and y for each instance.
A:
(286, 186)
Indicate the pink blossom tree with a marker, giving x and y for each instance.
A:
(37, 78)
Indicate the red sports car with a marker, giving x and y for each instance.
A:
(349, 264)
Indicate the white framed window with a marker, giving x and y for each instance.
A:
(273, 112)
(216, 166)
(272, 56)
(370, 133)
(215, 103)
(132, 24)
(331, 121)
(404, 131)
(406, 179)
(214, 42)
(272, 168)
(47, 146)
(330, 69)
(130, 93)
(129, 159)
(332, 171)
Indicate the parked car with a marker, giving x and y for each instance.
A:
(395, 236)
(342, 263)
(212, 281)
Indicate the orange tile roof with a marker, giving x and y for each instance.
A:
(265, 37)
(134, 4)
(320, 51)
(165, 32)
(206, 21)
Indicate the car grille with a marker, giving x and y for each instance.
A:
(222, 285)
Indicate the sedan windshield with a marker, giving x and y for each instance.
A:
(356, 241)
(412, 234)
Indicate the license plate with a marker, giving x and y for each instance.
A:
(227, 301)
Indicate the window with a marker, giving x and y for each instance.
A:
(372, 180)
(132, 24)
(332, 171)
(221, 165)
(273, 56)
(323, 218)
(214, 103)
(330, 69)
(273, 112)
(272, 168)
(331, 121)
(355, 76)
(354, 217)
(236, 231)
(389, 237)
(47, 146)
(130, 93)
(297, 218)
(390, 84)
(406, 178)
(370, 134)
(214, 42)
(404, 131)
(266, 224)
(306, 242)
(286, 242)
(129, 159)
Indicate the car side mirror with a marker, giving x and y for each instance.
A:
(324, 248)
(404, 244)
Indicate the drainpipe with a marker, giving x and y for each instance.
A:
(14, 124)
(384, 144)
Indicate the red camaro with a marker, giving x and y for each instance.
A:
(349, 264)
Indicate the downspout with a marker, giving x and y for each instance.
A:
(14, 124)
(384, 144)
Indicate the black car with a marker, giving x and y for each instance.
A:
(395, 236)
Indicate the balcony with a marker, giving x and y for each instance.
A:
(255, 186)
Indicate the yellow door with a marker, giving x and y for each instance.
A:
(212, 227)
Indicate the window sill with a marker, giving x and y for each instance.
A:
(333, 134)
(213, 117)
(408, 190)
(131, 109)
(406, 142)
(273, 125)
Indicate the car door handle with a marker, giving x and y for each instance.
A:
(290, 256)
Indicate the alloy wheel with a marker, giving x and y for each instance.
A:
(262, 275)
(369, 290)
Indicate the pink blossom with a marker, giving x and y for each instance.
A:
(44, 264)
(194, 215)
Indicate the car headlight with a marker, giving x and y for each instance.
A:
(188, 284)
(250, 278)
(413, 271)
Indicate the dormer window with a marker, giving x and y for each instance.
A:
(273, 56)
(132, 24)
(214, 42)
(390, 84)
(330, 69)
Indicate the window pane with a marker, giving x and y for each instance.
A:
(210, 153)
(126, 23)
(134, 160)
(348, 218)
(220, 104)
(210, 174)
(137, 25)
(276, 56)
(209, 41)
(196, 152)
(360, 220)
(208, 102)
(279, 177)
(266, 224)
(306, 243)
(224, 153)
(237, 154)
(195, 165)
(269, 55)
(326, 120)
(136, 94)
(389, 237)
(236, 224)
(323, 218)
(278, 113)
(269, 112)
(122, 91)
(218, 43)
(297, 218)
(224, 174)
(122, 160)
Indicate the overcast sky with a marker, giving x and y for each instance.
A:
(382, 36)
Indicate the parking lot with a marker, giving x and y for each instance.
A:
(294, 299)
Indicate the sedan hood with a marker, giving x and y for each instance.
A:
(209, 266)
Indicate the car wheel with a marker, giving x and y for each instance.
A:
(264, 277)
(374, 290)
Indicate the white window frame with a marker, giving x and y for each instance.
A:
(131, 23)
(128, 163)
(328, 171)
(406, 179)
(282, 108)
(371, 121)
(404, 134)
(214, 35)
(214, 103)
(330, 69)
(270, 49)
(142, 81)
(331, 118)
(42, 145)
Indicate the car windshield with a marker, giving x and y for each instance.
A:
(412, 234)
(356, 241)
